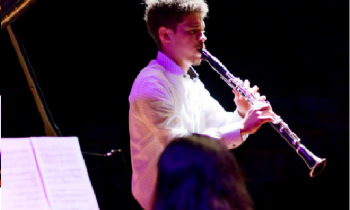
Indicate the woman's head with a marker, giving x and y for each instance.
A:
(198, 172)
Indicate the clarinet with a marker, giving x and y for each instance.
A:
(314, 163)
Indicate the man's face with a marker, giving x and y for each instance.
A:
(188, 39)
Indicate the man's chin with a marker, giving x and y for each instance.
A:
(197, 62)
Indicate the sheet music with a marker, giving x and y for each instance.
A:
(64, 173)
(22, 187)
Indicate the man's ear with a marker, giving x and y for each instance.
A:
(163, 34)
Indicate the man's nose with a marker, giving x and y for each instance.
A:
(202, 37)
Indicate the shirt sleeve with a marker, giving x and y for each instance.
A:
(221, 124)
(155, 105)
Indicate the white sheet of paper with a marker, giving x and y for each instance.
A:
(22, 187)
(64, 173)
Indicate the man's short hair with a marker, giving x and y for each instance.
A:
(169, 13)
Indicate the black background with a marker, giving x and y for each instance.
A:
(86, 54)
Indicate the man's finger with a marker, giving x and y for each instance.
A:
(265, 119)
(261, 98)
(255, 89)
(269, 114)
(261, 106)
(246, 83)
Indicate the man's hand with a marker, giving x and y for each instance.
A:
(242, 105)
(258, 114)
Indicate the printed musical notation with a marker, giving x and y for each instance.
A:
(45, 173)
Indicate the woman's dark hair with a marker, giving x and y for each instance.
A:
(198, 172)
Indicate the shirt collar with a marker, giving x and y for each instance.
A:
(173, 68)
(169, 64)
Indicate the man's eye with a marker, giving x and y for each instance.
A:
(194, 31)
